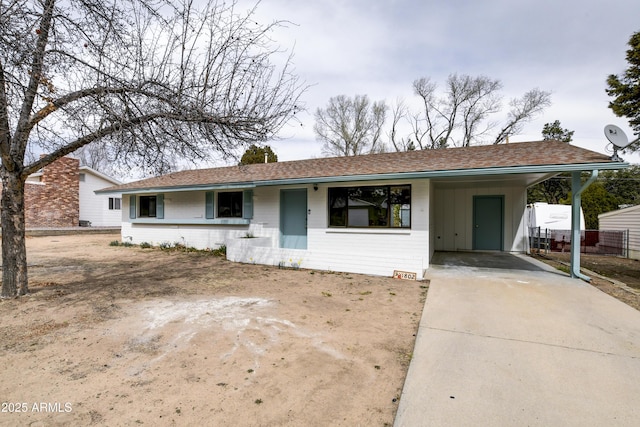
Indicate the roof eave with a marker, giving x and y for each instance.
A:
(380, 176)
(100, 174)
(176, 188)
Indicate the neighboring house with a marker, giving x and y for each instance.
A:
(101, 210)
(63, 195)
(627, 219)
(366, 214)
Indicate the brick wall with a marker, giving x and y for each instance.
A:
(54, 202)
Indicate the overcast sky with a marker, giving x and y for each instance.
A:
(378, 48)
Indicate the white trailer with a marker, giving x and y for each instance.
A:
(553, 219)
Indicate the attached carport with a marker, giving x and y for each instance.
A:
(484, 209)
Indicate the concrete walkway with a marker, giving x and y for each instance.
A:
(520, 346)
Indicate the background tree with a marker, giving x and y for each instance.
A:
(350, 126)
(613, 190)
(555, 132)
(595, 200)
(624, 184)
(256, 154)
(399, 111)
(96, 156)
(522, 110)
(626, 89)
(460, 116)
(153, 80)
(554, 189)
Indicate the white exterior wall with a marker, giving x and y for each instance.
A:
(441, 219)
(624, 219)
(367, 250)
(95, 207)
(184, 222)
(377, 251)
(453, 217)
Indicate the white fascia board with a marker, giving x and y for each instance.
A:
(99, 174)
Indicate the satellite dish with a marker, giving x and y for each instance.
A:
(616, 136)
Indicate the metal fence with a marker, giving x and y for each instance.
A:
(601, 242)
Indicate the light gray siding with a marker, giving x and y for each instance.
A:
(95, 207)
(453, 217)
(624, 219)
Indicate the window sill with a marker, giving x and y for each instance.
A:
(193, 221)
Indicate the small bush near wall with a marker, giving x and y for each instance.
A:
(176, 246)
(221, 251)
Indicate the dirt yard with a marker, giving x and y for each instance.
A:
(114, 335)
(626, 271)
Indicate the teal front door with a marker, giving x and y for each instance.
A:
(488, 222)
(293, 218)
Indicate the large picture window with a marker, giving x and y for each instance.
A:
(374, 206)
(230, 204)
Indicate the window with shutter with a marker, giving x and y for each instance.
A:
(132, 206)
(209, 206)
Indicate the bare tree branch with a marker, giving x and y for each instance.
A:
(460, 117)
(151, 81)
(522, 110)
(350, 127)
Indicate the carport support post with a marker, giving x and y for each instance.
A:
(576, 202)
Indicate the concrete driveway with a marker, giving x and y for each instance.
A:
(520, 344)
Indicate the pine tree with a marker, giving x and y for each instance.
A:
(626, 88)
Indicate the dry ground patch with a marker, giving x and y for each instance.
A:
(130, 336)
(619, 270)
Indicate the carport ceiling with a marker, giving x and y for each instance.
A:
(502, 180)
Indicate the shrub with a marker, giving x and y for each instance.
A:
(145, 245)
(114, 243)
(220, 251)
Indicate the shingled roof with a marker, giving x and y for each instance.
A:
(543, 155)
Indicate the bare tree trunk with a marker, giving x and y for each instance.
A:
(14, 251)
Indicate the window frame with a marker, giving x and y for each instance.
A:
(233, 195)
(115, 203)
(341, 213)
(146, 200)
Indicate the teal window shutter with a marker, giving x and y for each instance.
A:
(160, 206)
(209, 207)
(132, 206)
(247, 201)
